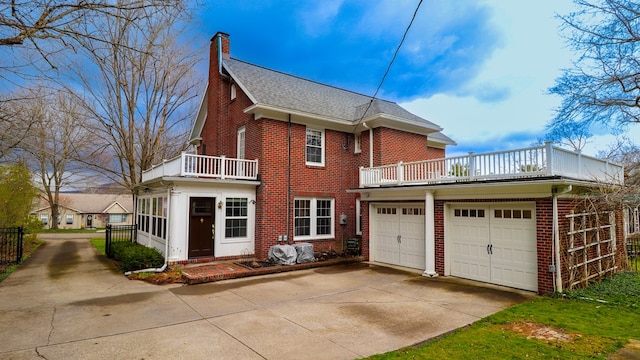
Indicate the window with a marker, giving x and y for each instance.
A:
(233, 91)
(236, 218)
(315, 147)
(313, 218)
(512, 214)
(152, 216)
(241, 142)
(44, 218)
(117, 218)
(357, 146)
(69, 219)
(472, 213)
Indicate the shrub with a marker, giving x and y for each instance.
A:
(135, 257)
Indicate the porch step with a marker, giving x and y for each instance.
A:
(212, 272)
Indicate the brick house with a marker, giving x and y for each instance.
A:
(277, 157)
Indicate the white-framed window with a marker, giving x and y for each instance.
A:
(358, 218)
(69, 219)
(313, 218)
(236, 218)
(357, 146)
(233, 91)
(241, 142)
(44, 218)
(117, 218)
(152, 216)
(315, 147)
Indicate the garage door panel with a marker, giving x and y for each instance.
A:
(509, 230)
(391, 221)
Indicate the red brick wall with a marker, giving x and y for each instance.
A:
(267, 141)
(392, 146)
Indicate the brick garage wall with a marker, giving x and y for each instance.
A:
(392, 146)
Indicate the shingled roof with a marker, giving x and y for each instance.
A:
(287, 92)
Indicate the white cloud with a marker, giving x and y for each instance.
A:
(509, 93)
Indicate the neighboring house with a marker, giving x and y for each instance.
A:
(284, 158)
(80, 211)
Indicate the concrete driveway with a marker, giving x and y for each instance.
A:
(67, 302)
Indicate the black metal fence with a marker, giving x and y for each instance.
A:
(118, 233)
(633, 252)
(11, 245)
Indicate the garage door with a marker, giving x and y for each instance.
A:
(495, 243)
(398, 235)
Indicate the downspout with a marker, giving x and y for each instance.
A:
(166, 243)
(555, 261)
(289, 179)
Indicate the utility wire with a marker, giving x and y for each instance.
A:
(404, 36)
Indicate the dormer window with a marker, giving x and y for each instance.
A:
(233, 91)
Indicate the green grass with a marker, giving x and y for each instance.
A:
(601, 318)
(29, 244)
(99, 244)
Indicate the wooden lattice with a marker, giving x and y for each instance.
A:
(591, 249)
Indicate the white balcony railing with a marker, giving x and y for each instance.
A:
(218, 167)
(541, 161)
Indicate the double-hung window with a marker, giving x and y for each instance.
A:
(69, 219)
(236, 218)
(313, 218)
(315, 147)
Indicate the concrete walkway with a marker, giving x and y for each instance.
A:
(67, 302)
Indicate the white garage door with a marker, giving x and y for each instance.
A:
(398, 235)
(495, 243)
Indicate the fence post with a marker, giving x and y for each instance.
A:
(20, 247)
(107, 241)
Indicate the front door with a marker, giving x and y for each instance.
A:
(201, 227)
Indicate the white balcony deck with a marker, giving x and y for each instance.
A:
(216, 167)
(542, 161)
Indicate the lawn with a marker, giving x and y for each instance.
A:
(29, 244)
(590, 323)
(99, 244)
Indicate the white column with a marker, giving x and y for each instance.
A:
(429, 236)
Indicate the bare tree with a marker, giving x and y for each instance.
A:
(13, 128)
(48, 27)
(602, 88)
(139, 89)
(58, 133)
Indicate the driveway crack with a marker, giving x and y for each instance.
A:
(51, 326)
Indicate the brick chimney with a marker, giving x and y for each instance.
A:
(217, 93)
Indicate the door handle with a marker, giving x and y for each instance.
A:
(490, 249)
(213, 231)
(399, 239)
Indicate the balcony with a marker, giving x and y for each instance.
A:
(535, 162)
(203, 166)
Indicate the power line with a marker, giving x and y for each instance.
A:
(404, 36)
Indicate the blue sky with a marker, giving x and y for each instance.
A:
(479, 69)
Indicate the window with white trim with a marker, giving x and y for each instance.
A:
(69, 219)
(117, 218)
(236, 216)
(241, 143)
(233, 91)
(357, 145)
(44, 218)
(315, 147)
(313, 218)
(152, 216)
